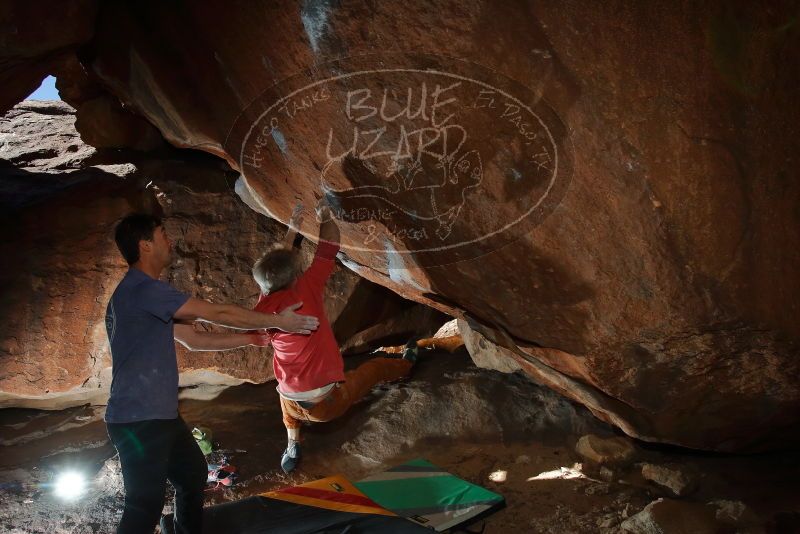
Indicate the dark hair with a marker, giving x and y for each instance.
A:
(132, 229)
(276, 269)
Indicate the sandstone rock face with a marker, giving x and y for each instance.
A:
(37, 158)
(736, 514)
(36, 38)
(608, 192)
(404, 416)
(35, 136)
(58, 271)
(485, 353)
(60, 264)
(44, 39)
(681, 483)
(601, 450)
(410, 319)
(103, 123)
(667, 516)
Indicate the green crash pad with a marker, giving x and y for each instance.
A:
(424, 493)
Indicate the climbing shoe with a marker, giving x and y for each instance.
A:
(290, 457)
(411, 350)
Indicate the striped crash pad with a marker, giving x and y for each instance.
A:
(422, 492)
(327, 506)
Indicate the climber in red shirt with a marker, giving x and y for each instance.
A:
(312, 384)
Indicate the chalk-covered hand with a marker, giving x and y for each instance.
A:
(323, 210)
(297, 216)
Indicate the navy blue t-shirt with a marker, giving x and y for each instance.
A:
(140, 331)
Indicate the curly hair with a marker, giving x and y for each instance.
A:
(276, 269)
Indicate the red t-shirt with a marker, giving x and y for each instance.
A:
(306, 362)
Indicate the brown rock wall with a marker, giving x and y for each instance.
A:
(620, 217)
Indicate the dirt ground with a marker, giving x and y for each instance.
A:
(480, 425)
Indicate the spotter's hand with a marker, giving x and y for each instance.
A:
(260, 339)
(292, 322)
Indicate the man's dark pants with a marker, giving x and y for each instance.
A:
(150, 453)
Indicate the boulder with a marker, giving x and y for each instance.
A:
(606, 191)
(60, 264)
(448, 329)
(600, 450)
(653, 260)
(448, 337)
(103, 123)
(485, 353)
(75, 84)
(490, 405)
(667, 516)
(37, 38)
(59, 268)
(397, 326)
(35, 136)
(735, 514)
(678, 481)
